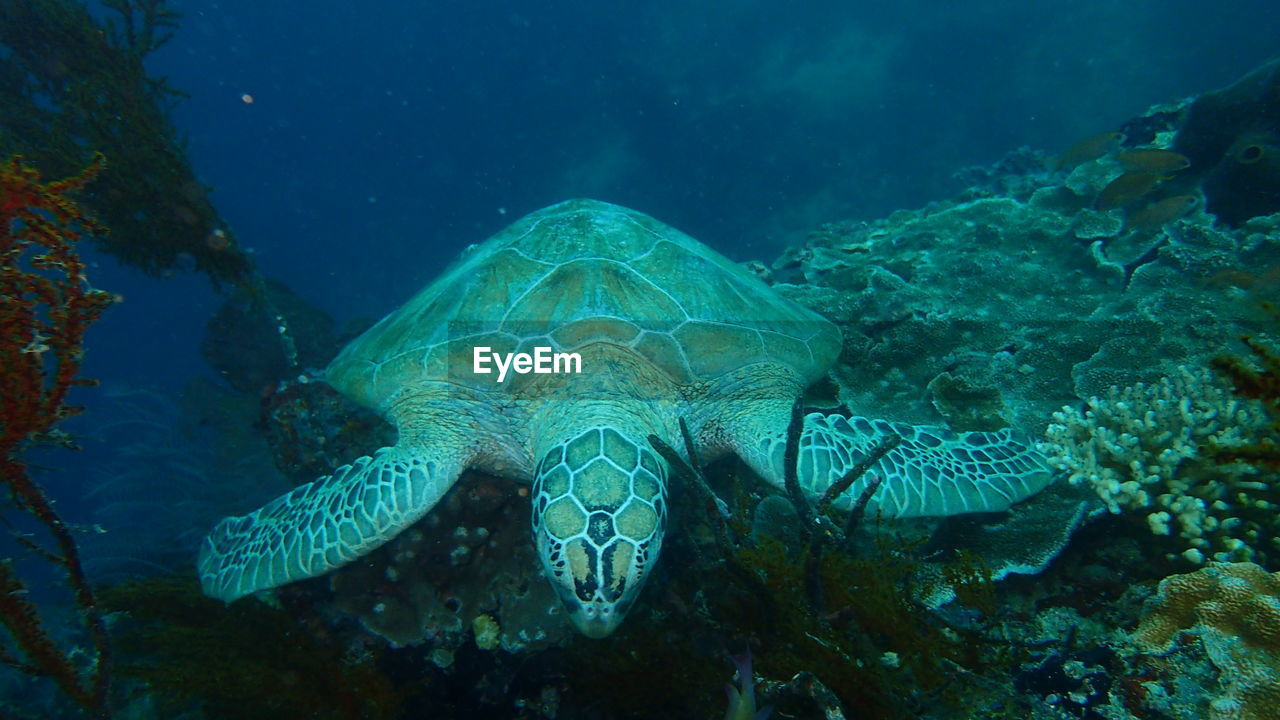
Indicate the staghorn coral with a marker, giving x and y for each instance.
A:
(1147, 448)
(1233, 609)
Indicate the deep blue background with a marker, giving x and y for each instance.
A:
(383, 137)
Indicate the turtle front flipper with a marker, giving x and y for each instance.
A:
(932, 472)
(324, 524)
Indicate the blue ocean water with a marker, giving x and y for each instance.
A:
(383, 140)
(357, 149)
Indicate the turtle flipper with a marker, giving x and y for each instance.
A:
(324, 524)
(932, 472)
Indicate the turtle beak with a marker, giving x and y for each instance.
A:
(594, 610)
(596, 619)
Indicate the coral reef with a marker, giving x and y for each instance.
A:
(1019, 296)
(466, 572)
(1233, 611)
(71, 82)
(46, 305)
(1031, 290)
(1149, 449)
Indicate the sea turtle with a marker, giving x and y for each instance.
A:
(665, 329)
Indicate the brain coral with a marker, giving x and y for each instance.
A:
(1234, 610)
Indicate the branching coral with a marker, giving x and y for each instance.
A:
(1234, 610)
(46, 304)
(1150, 448)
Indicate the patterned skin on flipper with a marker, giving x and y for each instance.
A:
(324, 524)
(599, 512)
(933, 472)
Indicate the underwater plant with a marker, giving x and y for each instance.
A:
(1257, 383)
(244, 662)
(46, 305)
(72, 82)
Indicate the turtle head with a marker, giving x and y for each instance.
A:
(599, 511)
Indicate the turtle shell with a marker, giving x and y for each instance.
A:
(582, 272)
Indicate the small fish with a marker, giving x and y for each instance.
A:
(1157, 214)
(1125, 189)
(1090, 148)
(742, 699)
(1161, 162)
(1232, 277)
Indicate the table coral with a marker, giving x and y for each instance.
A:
(1234, 610)
(1147, 448)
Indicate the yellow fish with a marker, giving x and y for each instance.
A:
(1090, 148)
(1125, 189)
(1157, 214)
(1161, 162)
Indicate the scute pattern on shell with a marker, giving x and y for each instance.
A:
(579, 272)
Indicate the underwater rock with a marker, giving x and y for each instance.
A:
(1093, 225)
(313, 428)
(465, 571)
(1232, 138)
(1020, 541)
(242, 341)
(1016, 175)
(967, 403)
(1037, 298)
